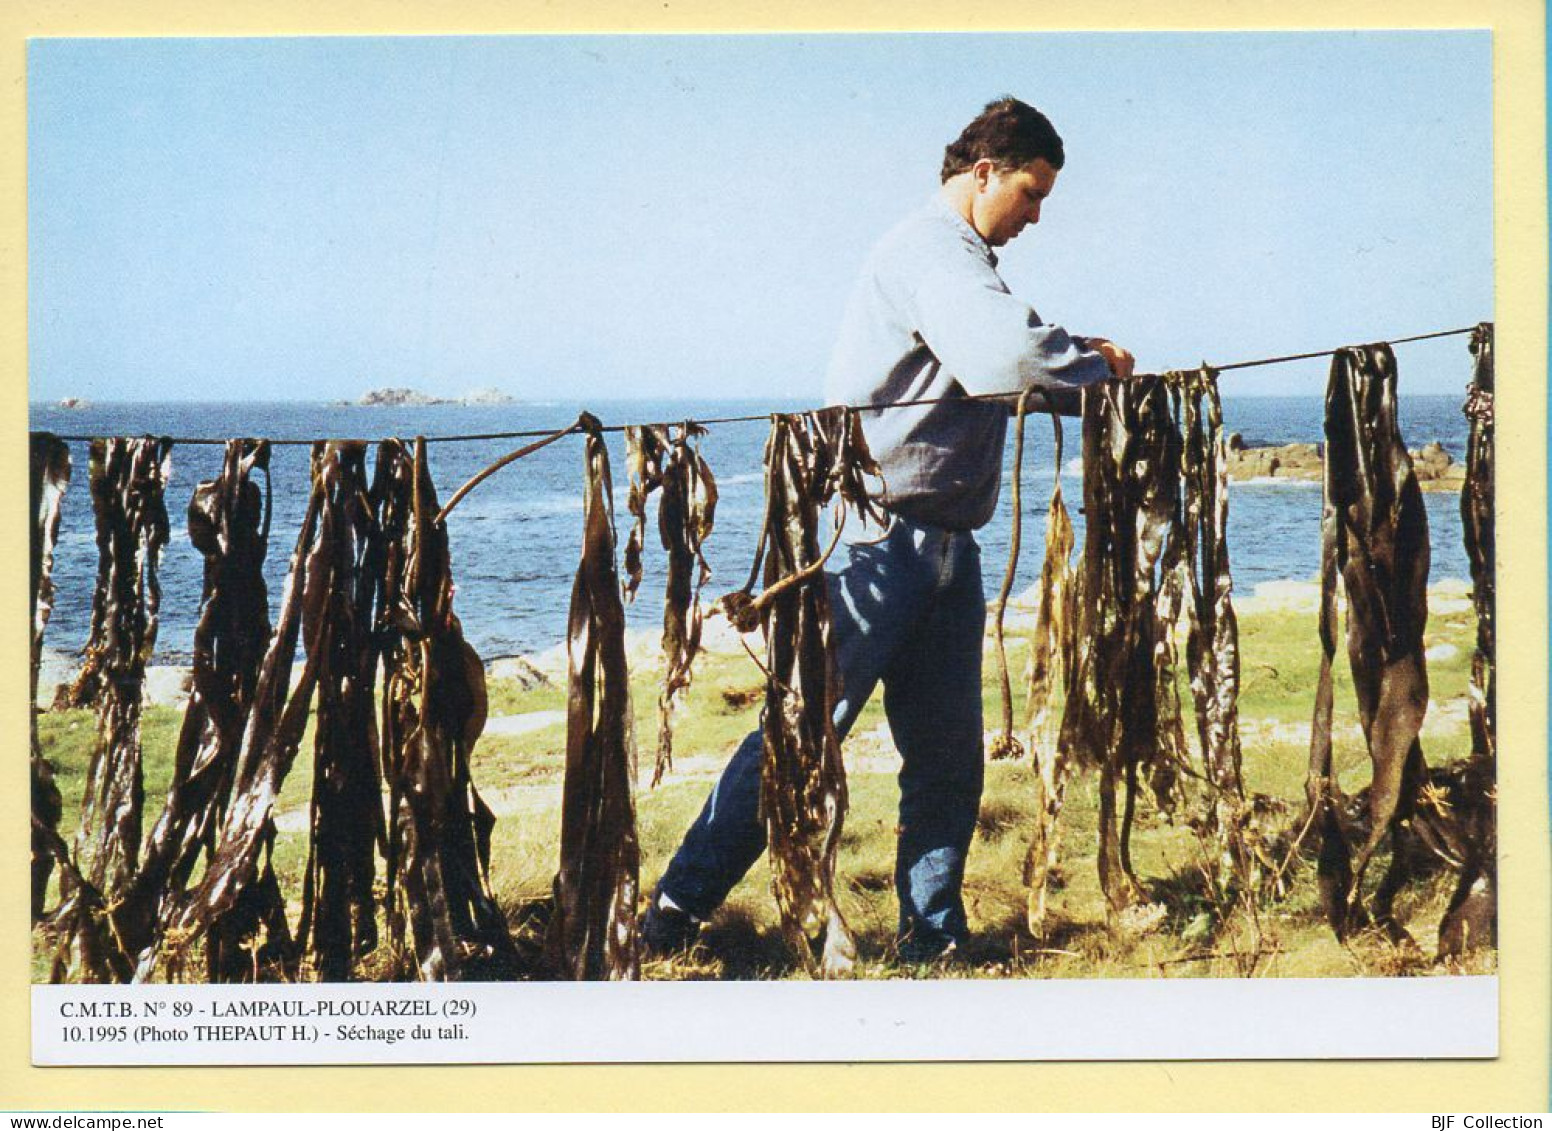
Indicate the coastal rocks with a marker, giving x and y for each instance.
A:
(1435, 468)
(520, 670)
(1286, 596)
(56, 672)
(166, 686)
(1449, 596)
(1285, 461)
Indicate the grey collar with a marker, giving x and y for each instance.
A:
(962, 225)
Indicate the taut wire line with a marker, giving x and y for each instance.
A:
(551, 435)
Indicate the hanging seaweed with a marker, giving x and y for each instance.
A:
(1374, 537)
(128, 478)
(346, 817)
(1212, 642)
(1476, 513)
(81, 918)
(1155, 569)
(238, 907)
(1471, 918)
(1053, 663)
(809, 460)
(1121, 712)
(433, 711)
(49, 462)
(686, 512)
(228, 523)
(646, 455)
(593, 932)
(1004, 745)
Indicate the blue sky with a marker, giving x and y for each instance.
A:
(653, 216)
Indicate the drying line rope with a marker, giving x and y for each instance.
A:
(551, 434)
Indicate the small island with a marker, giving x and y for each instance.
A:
(399, 397)
(73, 403)
(487, 396)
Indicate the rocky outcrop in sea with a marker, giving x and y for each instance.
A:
(399, 397)
(1435, 468)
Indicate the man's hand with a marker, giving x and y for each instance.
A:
(1121, 362)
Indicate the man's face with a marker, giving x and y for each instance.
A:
(1005, 202)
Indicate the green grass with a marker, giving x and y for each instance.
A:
(1280, 659)
(1204, 931)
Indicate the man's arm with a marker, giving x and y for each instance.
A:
(991, 341)
(1121, 361)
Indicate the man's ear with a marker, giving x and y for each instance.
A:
(982, 172)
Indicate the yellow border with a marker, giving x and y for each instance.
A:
(1517, 1081)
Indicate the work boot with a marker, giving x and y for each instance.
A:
(666, 928)
(928, 952)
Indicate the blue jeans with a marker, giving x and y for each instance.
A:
(908, 611)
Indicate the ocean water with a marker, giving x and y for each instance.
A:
(515, 538)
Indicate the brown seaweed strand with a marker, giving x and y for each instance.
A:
(646, 456)
(803, 779)
(1476, 509)
(1390, 671)
(346, 821)
(592, 934)
(1156, 745)
(82, 909)
(455, 683)
(1214, 656)
(841, 470)
(1333, 868)
(237, 906)
(845, 469)
(1380, 530)
(434, 709)
(1004, 745)
(1090, 727)
(227, 520)
(49, 460)
(399, 631)
(510, 458)
(1212, 644)
(128, 480)
(1052, 663)
(1113, 716)
(1471, 917)
(686, 515)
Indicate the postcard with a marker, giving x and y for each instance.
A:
(729, 548)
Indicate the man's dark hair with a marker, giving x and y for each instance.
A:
(1009, 133)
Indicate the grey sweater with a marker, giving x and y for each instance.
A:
(930, 317)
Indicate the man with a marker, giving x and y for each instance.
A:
(929, 318)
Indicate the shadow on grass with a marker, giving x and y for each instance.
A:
(1006, 946)
(871, 880)
(998, 817)
(1187, 896)
(748, 951)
